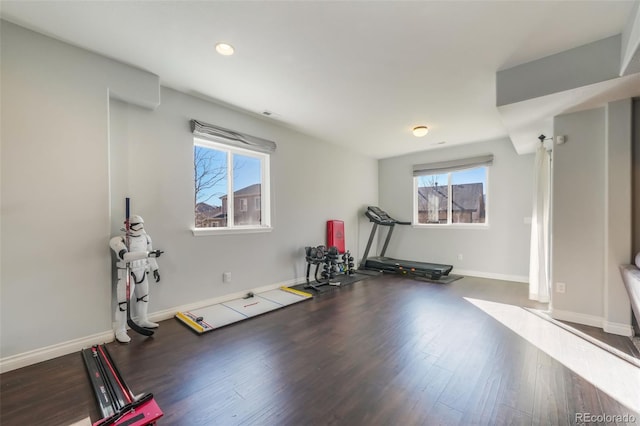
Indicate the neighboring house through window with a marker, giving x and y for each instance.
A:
(451, 192)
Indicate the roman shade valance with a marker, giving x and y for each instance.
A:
(231, 137)
(452, 165)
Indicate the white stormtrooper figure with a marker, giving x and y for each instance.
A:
(141, 259)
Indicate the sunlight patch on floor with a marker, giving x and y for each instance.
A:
(612, 375)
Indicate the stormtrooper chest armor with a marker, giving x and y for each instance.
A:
(138, 243)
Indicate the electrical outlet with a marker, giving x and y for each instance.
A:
(226, 277)
(460, 257)
(561, 287)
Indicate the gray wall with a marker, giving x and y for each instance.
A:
(55, 182)
(636, 176)
(578, 214)
(618, 211)
(577, 67)
(592, 216)
(71, 153)
(499, 251)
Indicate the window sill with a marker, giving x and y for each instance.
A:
(453, 226)
(201, 232)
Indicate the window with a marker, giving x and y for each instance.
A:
(231, 180)
(225, 179)
(451, 193)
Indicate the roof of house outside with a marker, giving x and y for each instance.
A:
(246, 191)
(208, 209)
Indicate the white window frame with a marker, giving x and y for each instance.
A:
(450, 224)
(265, 196)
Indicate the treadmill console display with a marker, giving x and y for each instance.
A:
(378, 216)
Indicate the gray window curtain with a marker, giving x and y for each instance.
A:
(452, 165)
(231, 137)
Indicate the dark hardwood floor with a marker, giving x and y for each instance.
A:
(383, 351)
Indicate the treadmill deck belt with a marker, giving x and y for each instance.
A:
(390, 264)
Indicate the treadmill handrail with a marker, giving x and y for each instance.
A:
(379, 216)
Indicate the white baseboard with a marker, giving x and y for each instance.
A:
(63, 348)
(49, 352)
(618, 328)
(578, 318)
(491, 275)
(593, 321)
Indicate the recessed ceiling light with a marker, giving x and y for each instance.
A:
(224, 49)
(420, 131)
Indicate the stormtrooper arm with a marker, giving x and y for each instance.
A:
(118, 245)
(130, 257)
(153, 264)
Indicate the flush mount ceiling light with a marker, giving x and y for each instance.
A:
(224, 49)
(420, 131)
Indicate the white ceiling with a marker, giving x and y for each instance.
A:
(356, 73)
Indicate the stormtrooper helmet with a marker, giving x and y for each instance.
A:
(136, 225)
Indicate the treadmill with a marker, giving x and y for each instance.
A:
(381, 263)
